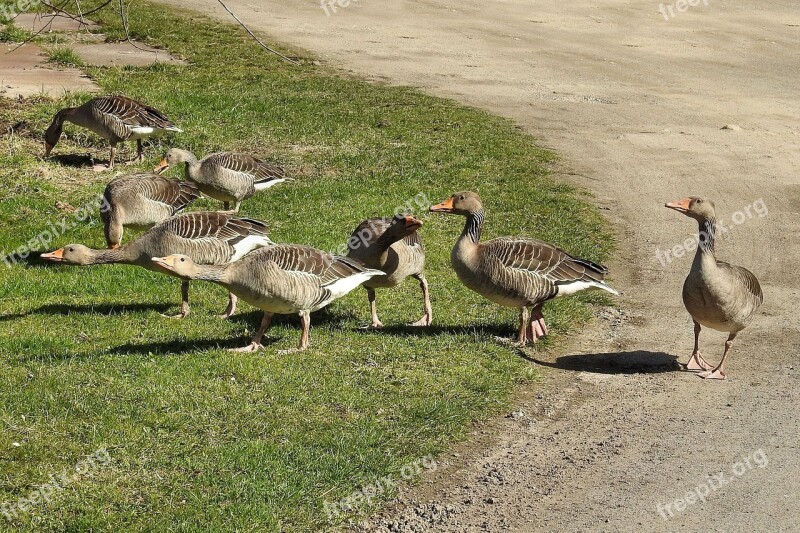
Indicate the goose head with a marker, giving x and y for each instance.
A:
(404, 225)
(72, 254)
(173, 157)
(694, 207)
(181, 265)
(461, 203)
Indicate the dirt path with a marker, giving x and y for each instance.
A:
(634, 104)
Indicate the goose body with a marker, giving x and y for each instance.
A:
(716, 294)
(209, 238)
(226, 176)
(141, 201)
(393, 246)
(282, 279)
(516, 272)
(114, 118)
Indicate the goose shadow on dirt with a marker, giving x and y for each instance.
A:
(629, 362)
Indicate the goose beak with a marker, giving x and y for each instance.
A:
(161, 167)
(47, 148)
(166, 262)
(413, 223)
(443, 207)
(56, 256)
(681, 206)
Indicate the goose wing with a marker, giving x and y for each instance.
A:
(245, 164)
(544, 260)
(174, 193)
(308, 261)
(746, 281)
(131, 113)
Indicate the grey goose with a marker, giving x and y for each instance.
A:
(229, 177)
(280, 279)
(393, 246)
(141, 201)
(717, 295)
(516, 271)
(207, 237)
(114, 118)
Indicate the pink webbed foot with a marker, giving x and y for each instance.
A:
(696, 363)
(252, 347)
(712, 374)
(424, 321)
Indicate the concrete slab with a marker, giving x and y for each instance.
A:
(25, 72)
(50, 22)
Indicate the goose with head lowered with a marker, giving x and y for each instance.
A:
(226, 176)
(516, 271)
(141, 201)
(394, 246)
(717, 295)
(208, 237)
(114, 118)
(281, 279)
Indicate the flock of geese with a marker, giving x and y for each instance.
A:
(237, 253)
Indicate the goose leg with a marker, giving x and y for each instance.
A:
(522, 336)
(696, 361)
(184, 302)
(305, 322)
(536, 327)
(232, 299)
(373, 310)
(427, 318)
(719, 372)
(255, 345)
(236, 207)
(139, 151)
(101, 168)
(226, 206)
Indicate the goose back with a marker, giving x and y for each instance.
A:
(144, 199)
(118, 118)
(231, 177)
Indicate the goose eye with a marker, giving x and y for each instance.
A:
(71, 250)
(699, 200)
(461, 197)
(182, 259)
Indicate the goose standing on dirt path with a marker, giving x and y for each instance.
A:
(718, 295)
(516, 271)
(141, 201)
(394, 246)
(283, 279)
(115, 119)
(226, 176)
(207, 237)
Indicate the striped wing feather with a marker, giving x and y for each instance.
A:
(246, 164)
(131, 113)
(306, 260)
(746, 280)
(175, 193)
(543, 259)
(214, 225)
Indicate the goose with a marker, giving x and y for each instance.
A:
(208, 237)
(226, 176)
(142, 200)
(394, 246)
(516, 271)
(115, 119)
(282, 279)
(717, 295)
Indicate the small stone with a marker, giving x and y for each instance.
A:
(732, 127)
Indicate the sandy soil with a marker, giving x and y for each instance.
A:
(635, 104)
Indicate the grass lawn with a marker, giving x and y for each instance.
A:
(202, 439)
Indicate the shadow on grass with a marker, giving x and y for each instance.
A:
(89, 309)
(632, 362)
(402, 330)
(72, 160)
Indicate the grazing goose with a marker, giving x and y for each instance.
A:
(283, 279)
(391, 245)
(516, 271)
(226, 176)
(114, 118)
(718, 295)
(207, 237)
(142, 200)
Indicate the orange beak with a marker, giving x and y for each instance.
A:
(443, 207)
(681, 206)
(47, 148)
(413, 223)
(56, 256)
(161, 167)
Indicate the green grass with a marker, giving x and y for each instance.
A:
(203, 439)
(65, 56)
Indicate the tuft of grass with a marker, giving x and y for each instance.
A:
(200, 438)
(10, 33)
(65, 56)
